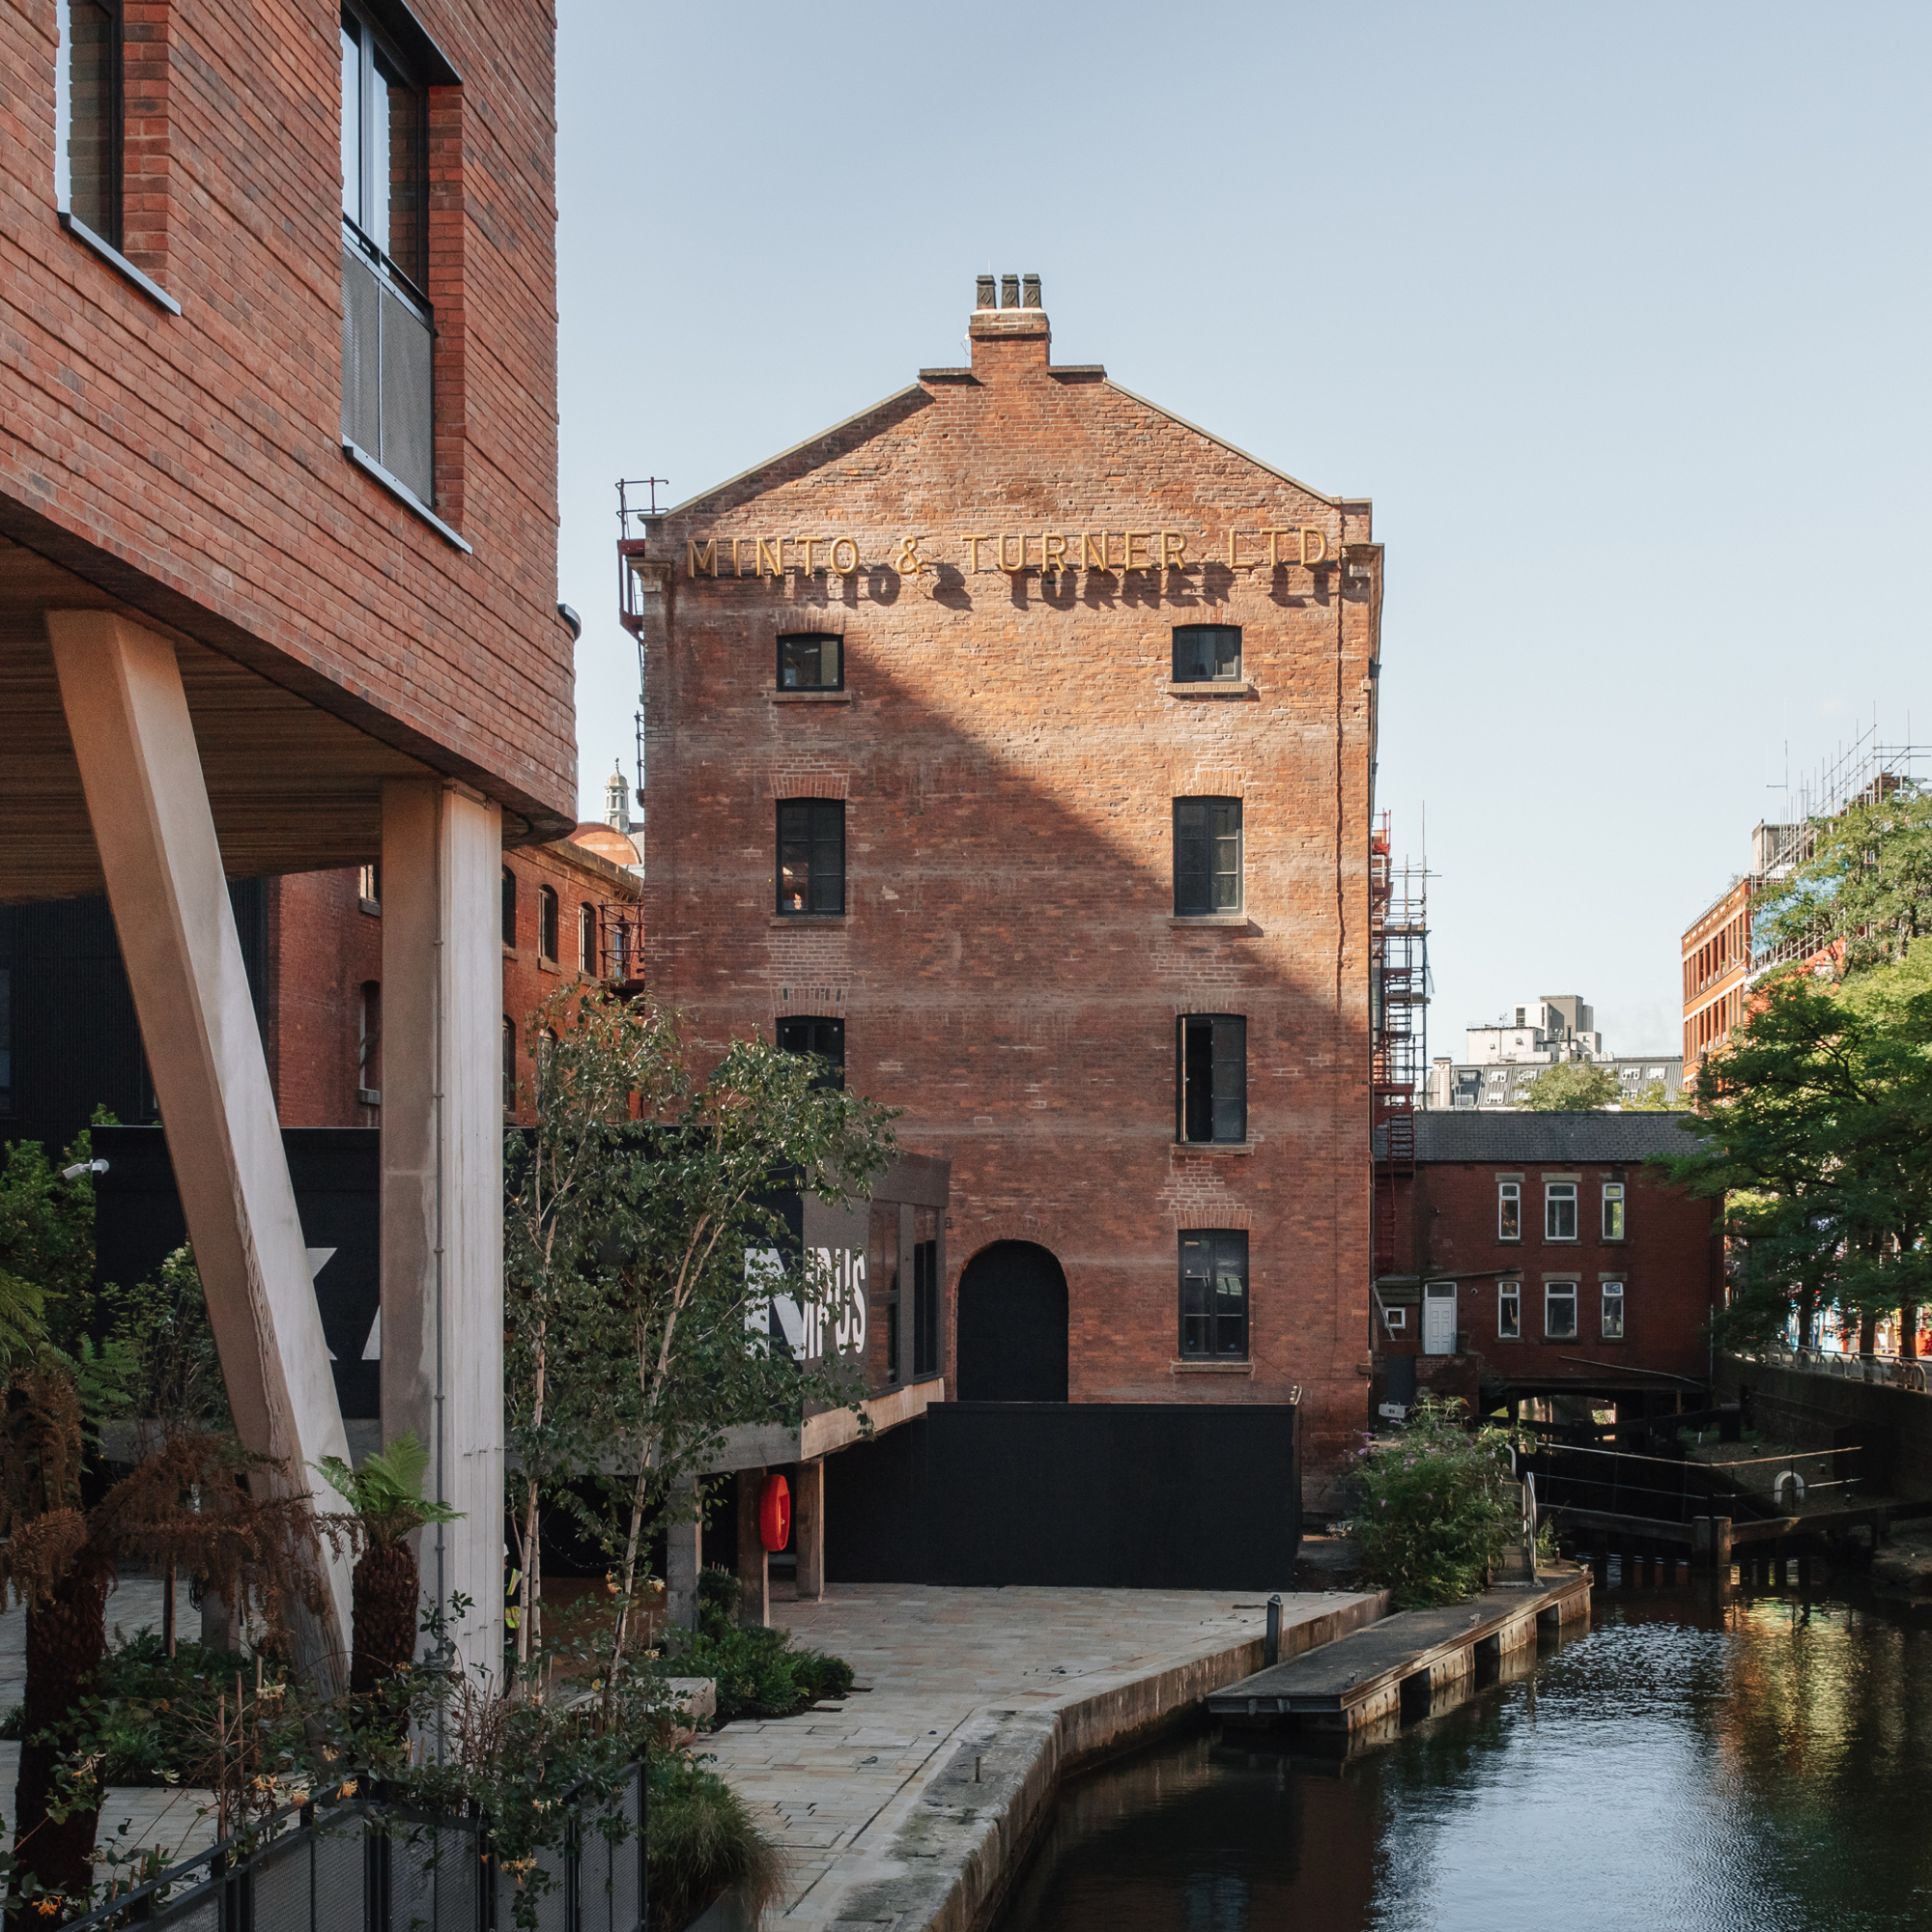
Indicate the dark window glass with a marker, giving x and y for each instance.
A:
(1205, 651)
(509, 1065)
(509, 907)
(799, 1033)
(1206, 855)
(1213, 1293)
(812, 855)
(369, 1044)
(926, 1292)
(546, 922)
(586, 938)
(91, 155)
(1213, 1100)
(811, 661)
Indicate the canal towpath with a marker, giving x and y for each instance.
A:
(910, 1803)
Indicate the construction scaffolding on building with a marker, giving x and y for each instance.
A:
(1399, 1022)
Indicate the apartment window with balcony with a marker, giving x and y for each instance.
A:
(388, 327)
(811, 856)
(1613, 1311)
(1206, 855)
(1559, 1210)
(1206, 652)
(1614, 1211)
(1213, 1294)
(546, 925)
(1509, 1211)
(1213, 1077)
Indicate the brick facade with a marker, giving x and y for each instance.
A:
(1008, 749)
(1449, 1228)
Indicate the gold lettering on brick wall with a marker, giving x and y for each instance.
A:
(910, 562)
(775, 551)
(843, 569)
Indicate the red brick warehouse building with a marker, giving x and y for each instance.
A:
(1014, 741)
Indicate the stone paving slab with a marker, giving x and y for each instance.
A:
(875, 1803)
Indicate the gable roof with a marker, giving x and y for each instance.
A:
(1598, 1138)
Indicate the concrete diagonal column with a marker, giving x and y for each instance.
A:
(442, 1182)
(141, 771)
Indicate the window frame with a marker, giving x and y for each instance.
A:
(586, 940)
(507, 1072)
(374, 40)
(817, 1049)
(369, 1044)
(1554, 1292)
(1218, 1027)
(550, 934)
(819, 637)
(1613, 1295)
(1617, 1196)
(110, 232)
(1236, 1240)
(1396, 1319)
(509, 908)
(1178, 676)
(1509, 1196)
(819, 811)
(1555, 1193)
(1509, 1297)
(1209, 841)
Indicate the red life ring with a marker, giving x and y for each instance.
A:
(775, 1513)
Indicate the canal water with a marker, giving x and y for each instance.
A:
(1762, 1762)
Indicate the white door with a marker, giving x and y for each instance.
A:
(1438, 1318)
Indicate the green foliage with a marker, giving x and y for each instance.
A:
(386, 1494)
(46, 1249)
(1438, 1506)
(1815, 1122)
(757, 1671)
(703, 1842)
(148, 1719)
(159, 1332)
(1868, 883)
(1653, 1097)
(1571, 1087)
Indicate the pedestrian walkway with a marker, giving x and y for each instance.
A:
(154, 1816)
(903, 1804)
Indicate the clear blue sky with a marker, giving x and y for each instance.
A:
(1619, 314)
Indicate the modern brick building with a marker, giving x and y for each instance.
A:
(277, 569)
(1014, 740)
(1537, 1255)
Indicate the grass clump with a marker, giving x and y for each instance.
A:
(757, 1671)
(1439, 1506)
(702, 1843)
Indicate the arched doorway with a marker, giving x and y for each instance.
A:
(1012, 1325)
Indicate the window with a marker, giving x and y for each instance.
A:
(925, 1291)
(88, 118)
(1509, 1311)
(369, 887)
(1395, 1318)
(1614, 1211)
(798, 1032)
(1213, 1294)
(1212, 1101)
(509, 907)
(1204, 652)
(509, 1065)
(368, 1045)
(1559, 1210)
(1559, 1311)
(1613, 1311)
(546, 925)
(1509, 1211)
(388, 327)
(586, 938)
(1206, 855)
(812, 855)
(811, 660)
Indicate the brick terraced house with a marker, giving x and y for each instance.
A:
(1014, 743)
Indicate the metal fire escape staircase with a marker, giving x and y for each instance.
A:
(1399, 989)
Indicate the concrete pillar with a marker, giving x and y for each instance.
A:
(442, 1182)
(807, 1530)
(755, 1602)
(684, 1557)
(140, 769)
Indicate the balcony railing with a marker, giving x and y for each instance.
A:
(387, 355)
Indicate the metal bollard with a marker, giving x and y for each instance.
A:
(1272, 1644)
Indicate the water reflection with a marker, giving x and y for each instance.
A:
(1754, 1765)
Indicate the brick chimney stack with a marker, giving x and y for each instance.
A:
(1010, 335)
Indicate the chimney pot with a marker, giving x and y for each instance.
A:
(1030, 292)
(988, 296)
(1009, 292)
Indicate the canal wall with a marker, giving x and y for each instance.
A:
(1815, 1410)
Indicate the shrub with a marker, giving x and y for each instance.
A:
(757, 1672)
(702, 1843)
(1438, 1506)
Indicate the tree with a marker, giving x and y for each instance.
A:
(1867, 881)
(645, 1245)
(1571, 1087)
(1653, 1097)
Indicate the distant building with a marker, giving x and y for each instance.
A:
(1558, 1026)
(1505, 1055)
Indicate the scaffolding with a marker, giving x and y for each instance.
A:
(1398, 1023)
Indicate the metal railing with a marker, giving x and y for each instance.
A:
(1618, 1482)
(388, 345)
(364, 1866)
(1887, 1371)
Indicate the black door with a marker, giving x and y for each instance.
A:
(1012, 1325)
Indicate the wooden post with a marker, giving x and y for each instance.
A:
(1721, 1546)
(807, 1526)
(754, 1569)
(1700, 1542)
